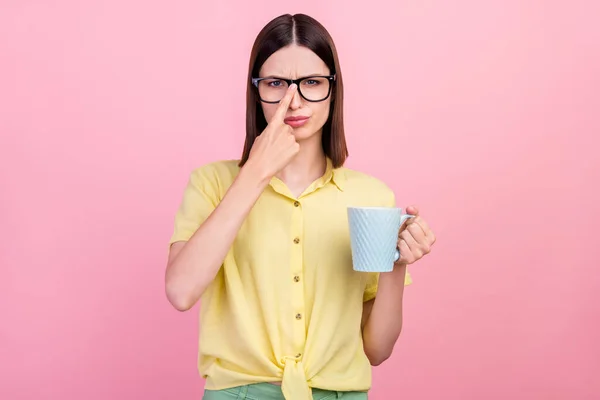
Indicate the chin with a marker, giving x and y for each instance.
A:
(304, 133)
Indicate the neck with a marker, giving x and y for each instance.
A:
(308, 165)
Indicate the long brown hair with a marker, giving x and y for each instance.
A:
(304, 31)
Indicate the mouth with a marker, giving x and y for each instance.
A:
(296, 122)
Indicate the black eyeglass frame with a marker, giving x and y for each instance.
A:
(330, 78)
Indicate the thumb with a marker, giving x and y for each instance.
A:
(412, 210)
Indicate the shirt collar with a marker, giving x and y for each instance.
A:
(334, 175)
(337, 175)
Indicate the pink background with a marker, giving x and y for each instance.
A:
(483, 113)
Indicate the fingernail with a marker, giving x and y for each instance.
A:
(293, 86)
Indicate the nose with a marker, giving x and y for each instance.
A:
(296, 102)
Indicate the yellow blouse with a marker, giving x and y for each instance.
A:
(286, 304)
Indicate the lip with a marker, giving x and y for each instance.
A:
(297, 121)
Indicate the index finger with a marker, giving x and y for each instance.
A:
(284, 104)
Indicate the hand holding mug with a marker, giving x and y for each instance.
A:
(415, 238)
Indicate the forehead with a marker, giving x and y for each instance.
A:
(293, 61)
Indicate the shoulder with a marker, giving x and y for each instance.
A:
(368, 187)
(216, 176)
(363, 181)
(217, 169)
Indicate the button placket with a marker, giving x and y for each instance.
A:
(296, 270)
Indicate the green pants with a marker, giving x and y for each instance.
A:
(267, 391)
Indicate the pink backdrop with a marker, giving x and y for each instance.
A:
(485, 114)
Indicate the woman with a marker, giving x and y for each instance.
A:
(264, 241)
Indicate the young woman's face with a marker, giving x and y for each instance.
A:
(295, 62)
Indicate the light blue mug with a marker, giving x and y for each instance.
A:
(374, 237)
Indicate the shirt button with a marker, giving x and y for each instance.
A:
(297, 240)
(298, 316)
(296, 204)
(296, 278)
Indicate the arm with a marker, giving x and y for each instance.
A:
(382, 316)
(193, 265)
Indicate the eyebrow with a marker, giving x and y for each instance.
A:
(303, 76)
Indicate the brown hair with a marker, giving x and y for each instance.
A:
(304, 31)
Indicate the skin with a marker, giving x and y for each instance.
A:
(193, 265)
(382, 316)
(297, 62)
(295, 156)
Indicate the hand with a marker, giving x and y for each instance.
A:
(276, 146)
(414, 239)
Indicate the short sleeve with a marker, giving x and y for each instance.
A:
(373, 279)
(200, 198)
(372, 284)
(371, 288)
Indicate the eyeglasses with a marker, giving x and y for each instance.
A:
(311, 88)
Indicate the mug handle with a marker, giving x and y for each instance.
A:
(404, 218)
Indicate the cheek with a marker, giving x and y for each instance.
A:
(269, 111)
(321, 111)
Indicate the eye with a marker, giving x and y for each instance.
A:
(312, 82)
(275, 83)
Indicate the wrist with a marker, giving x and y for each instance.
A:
(251, 176)
(397, 274)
